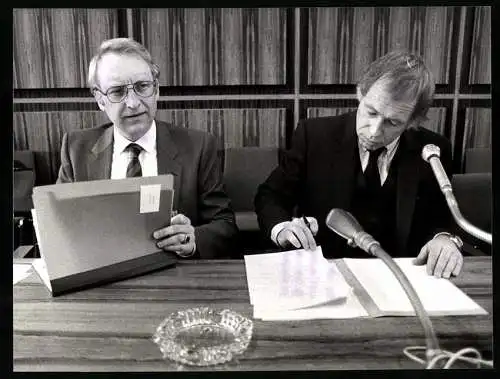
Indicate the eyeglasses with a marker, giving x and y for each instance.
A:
(117, 94)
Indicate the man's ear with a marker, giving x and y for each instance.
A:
(157, 89)
(99, 98)
(358, 94)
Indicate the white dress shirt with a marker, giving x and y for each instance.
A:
(147, 157)
(384, 160)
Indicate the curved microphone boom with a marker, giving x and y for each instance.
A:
(344, 224)
(431, 154)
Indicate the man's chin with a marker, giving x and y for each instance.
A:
(134, 131)
(371, 145)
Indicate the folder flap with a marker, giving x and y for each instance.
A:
(63, 191)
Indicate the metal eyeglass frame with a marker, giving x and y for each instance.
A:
(128, 87)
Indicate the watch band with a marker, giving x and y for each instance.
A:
(453, 238)
(457, 241)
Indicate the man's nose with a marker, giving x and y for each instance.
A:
(376, 126)
(132, 99)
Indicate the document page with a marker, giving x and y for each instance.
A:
(39, 264)
(439, 296)
(21, 271)
(41, 270)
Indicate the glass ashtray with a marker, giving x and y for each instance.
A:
(203, 336)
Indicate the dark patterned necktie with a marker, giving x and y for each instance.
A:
(134, 166)
(371, 173)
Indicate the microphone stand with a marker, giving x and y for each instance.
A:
(431, 153)
(457, 215)
(369, 244)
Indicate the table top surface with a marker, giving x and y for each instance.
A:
(110, 328)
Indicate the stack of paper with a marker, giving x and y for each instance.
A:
(298, 284)
(303, 285)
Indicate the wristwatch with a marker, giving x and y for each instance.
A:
(453, 238)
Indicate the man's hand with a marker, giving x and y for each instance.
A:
(296, 233)
(178, 237)
(442, 255)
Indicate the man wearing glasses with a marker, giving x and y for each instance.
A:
(124, 81)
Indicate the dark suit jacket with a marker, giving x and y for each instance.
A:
(317, 174)
(190, 155)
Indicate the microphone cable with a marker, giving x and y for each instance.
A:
(449, 357)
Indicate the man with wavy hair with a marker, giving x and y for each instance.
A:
(369, 163)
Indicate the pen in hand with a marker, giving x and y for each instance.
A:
(310, 227)
(304, 218)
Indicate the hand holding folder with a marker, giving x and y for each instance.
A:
(178, 237)
(101, 231)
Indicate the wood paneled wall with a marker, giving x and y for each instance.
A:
(234, 127)
(248, 75)
(343, 41)
(53, 47)
(480, 57)
(204, 47)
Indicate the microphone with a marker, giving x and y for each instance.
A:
(344, 224)
(431, 154)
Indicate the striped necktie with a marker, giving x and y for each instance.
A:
(134, 167)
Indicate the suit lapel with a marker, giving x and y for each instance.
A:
(344, 150)
(99, 163)
(407, 184)
(168, 157)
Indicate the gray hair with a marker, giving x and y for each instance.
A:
(120, 46)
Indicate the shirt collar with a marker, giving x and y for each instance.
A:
(390, 148)
(147, 141)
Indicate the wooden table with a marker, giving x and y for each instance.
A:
(110, 328)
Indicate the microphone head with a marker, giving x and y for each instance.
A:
(343, 223)
(429, 151)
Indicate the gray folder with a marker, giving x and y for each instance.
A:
(94, 232)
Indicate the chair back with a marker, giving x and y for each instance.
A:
(477, 159)
(245, 168)
(473, 193)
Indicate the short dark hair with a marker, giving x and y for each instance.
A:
(407, 77)
(120, 46)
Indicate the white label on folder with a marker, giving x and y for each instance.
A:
(150, 198)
